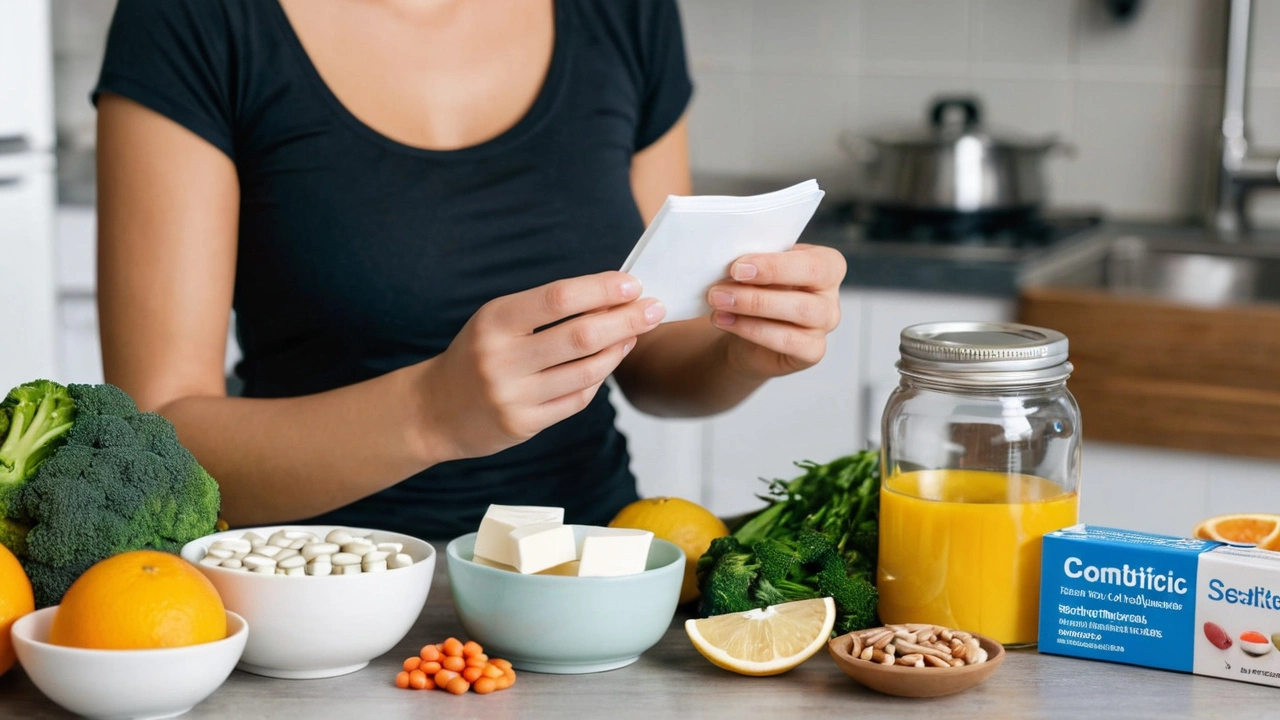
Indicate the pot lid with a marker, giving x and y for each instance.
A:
(953, 119)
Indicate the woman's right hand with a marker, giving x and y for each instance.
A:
(500, 383)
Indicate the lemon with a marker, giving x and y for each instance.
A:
(765, 641)
(687, 524)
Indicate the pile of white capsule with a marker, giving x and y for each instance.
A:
(298, 552)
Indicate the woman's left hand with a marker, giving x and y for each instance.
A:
(778, 309)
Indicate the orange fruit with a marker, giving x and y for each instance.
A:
(139, 600)
(16, 600)
(1261, 529)
(687, 524)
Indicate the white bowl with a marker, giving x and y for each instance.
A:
(118, 684)
(315, 627)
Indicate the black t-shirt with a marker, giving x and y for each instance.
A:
(359, 255)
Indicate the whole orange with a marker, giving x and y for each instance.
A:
(16, 600)
(139, 600)
(687, 524)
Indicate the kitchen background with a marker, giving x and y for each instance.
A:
(776, 83)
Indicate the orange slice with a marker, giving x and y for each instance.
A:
(1261, 529)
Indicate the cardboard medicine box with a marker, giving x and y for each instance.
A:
(1158, 601)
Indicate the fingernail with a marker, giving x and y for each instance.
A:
(720, 298)
(627, 348)
(723, 319)
(743, 271)
(655, 312)
(630, 288)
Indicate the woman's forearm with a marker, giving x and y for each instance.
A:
(681, 370)
(289, 459)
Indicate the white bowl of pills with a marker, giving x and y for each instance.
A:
(322, 600)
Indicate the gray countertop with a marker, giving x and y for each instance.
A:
(673, 680)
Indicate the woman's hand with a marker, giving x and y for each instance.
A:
(779, 309)
(500, 383)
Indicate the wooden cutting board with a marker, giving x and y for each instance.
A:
(1150, 372)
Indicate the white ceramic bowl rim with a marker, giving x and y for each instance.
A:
(677, 555)
(202, 544)
(23, 628)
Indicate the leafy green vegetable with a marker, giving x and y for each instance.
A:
(120, 481)
(817, 537)
(34, 419)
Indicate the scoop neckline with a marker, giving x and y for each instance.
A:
(534, 117)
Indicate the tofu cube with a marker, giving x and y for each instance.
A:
(542, 546)
(493, 541)
(610, 552)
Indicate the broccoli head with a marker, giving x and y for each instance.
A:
(121, 482)
(726, 575)
(34, 420)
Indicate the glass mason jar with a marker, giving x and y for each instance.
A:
(980, 458)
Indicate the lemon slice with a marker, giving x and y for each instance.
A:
(765, 641)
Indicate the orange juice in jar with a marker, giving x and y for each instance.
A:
(980, 459)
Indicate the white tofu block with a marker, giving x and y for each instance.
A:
(610, 552)
(542, 546)
(569, 569)
(493, 541)
(489, 563)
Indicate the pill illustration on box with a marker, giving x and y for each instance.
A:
(1217, 636)
(1255, 643)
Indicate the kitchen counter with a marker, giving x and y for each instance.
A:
(673, 680)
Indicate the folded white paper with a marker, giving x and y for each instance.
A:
(692, 241)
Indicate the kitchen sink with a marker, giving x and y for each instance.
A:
(1184, 268)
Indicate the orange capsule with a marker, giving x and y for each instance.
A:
(402, 679)
(458, 686)
(484, 686)
(472, 674)
(418, 680)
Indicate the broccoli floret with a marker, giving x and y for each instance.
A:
(726, 576)
(772, 593)
(34, 420)
(121, 482)
(856, 599)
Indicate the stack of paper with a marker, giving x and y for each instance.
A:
(692, 241)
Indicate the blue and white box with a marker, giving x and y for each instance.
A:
(1158, 601)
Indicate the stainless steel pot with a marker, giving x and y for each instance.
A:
(953, 165)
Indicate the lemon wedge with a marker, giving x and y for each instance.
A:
(765, 641)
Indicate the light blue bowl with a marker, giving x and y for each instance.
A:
(565, 625)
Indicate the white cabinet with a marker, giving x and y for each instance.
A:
(26, 73)
(27, 287)
(666, 455)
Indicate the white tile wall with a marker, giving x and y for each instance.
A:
(1140, 101)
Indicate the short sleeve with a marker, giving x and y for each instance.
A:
(174, 57)
(667, 88)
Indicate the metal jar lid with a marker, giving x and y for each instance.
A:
(976, 354)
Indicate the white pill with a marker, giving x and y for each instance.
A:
(296, 571)
(267, 550)
(338, 536)
(299, 543)
(294, 561)
(392, 548)
(314, 550)
(220, 553)
(285, 553)
(344, 559)
(253, 538)
(264, 570)
(253, 562)
(235, 545)
(399, 560)
(211, 560)
(280, 542)
(233, 563)
(346, 569)
(358, 547)
(375, 561)
(319, 569)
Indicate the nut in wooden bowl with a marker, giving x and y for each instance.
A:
(916, 659)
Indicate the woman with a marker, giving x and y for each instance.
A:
(394, 195)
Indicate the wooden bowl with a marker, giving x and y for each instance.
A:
(915, 682)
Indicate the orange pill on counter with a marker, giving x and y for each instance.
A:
(454, 663)
(472, 674)
(458, 686)
(418, 680)
(504, 664)
(429, 653)
(402, 679)
(478, 661)
(412, 663)
(430, 668)
(444, 676)
(493, 672)
(484, 686)
(502, 683)
(453, 647)
(471, 649)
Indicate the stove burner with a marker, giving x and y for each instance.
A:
(1022, 228)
